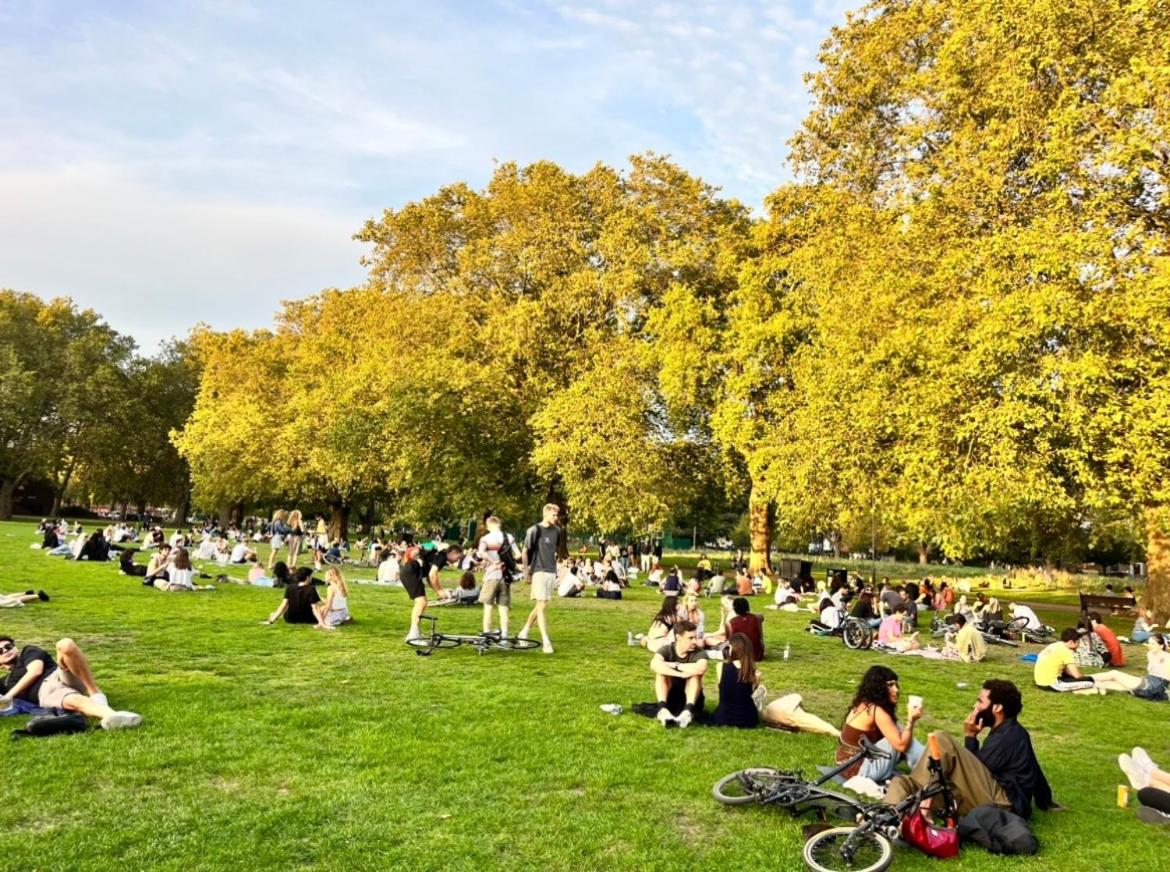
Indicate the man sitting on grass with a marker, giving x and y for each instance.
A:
(678, 670)
(67, 684)
(1004, 771)
(1056, 669)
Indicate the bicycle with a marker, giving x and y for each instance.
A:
(993, 633)
(866, 846)
(427, 643)
(856, 634)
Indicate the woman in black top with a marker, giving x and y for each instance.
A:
(737, 682)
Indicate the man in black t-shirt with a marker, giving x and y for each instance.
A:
(678, 677)
(66, 684)
(543, 545)
(417, 565)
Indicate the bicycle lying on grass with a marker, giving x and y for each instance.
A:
(428, 642)
(866, 845)
(993, 633)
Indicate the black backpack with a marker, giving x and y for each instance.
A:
(508, 558)
(51, 725)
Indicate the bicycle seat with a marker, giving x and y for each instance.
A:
(871, 750)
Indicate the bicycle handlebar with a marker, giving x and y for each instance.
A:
(935, 753)
(872, 750)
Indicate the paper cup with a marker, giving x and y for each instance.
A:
(915, 702)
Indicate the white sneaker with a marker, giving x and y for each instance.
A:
(1142, 759)
(100, 698)
(684, 719)
(413, 634)
(523, 634)
(1138, 777)
(547, 647)
(664, 716)
(121, 720)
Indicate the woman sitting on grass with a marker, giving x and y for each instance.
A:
(738, 679)
(334, 611)
(661, 630)
(466, 593)
(127, 566)
(890, 632)
(180, 576)
(873, 714)
(828, 619)
(1143, 627)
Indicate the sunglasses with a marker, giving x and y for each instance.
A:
(6, 646)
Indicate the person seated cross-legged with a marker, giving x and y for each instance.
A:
(1056, 669)
(678, 670)
(66, 683)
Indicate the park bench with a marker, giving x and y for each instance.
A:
(1115, 604)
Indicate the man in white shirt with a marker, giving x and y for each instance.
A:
(239, 553)
(1019, 611)
(497, 582)
(388, 569)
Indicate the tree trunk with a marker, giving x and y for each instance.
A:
(761, 521)
(59, 488)
(1157, 597)
(124, 508)
(183, 508)
(7, 490)
(338, 521)
(923, 553)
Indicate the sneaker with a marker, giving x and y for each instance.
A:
(100, 698)
(547, 648)
(412, 635)
(523, 634)
(121, 720)
(1138, 777)
(42, 596)
(665, 717)
(1142, 759)
(1152, 815)
(684, 719)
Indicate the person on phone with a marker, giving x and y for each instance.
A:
(1004, 771)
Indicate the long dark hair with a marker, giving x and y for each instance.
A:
(741, 650)
(669, 611)
(874, 689)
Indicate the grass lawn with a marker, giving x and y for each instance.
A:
(285, 748)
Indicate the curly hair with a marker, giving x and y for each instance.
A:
(874, 689)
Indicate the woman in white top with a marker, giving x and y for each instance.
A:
(334, 611)
(180, 577)
(388, 568)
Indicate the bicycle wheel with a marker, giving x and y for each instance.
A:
(848, 849)
(435, 641)
(749, 785)
(855, 635)
(512, 643)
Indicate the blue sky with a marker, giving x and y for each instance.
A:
(167, 163)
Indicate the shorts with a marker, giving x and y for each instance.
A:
(336, 617)
(59, 684)
(497, 592)
(414, 587)
(544, 584)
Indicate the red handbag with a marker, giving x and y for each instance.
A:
(942, 842)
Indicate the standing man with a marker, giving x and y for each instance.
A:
(541, 546)
(495, 547)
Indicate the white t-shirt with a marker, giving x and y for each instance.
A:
(489, 553)
(568, 584)
(388, 570)
(181, 577)
(1025, 612)
(831, 617)
(239, 552)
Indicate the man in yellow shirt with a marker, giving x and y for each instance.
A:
(969, 641)
(1056, 669)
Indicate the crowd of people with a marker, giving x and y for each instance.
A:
(683, 645)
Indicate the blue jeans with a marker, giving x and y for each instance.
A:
(882, 771)
(1141, 636)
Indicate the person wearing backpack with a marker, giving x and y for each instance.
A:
(499, 553)
(542, 545)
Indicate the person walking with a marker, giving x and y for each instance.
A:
(542, 544)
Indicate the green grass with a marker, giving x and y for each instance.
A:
(284, 748)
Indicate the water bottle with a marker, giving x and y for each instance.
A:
(612, 708)
(787, 651)
(630, 638)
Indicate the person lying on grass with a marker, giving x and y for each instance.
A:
(16, 600)
(67, 684)
(1056, 669)
(1004, 771)
(1151, 783)
(738, 679)
(678, 670)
